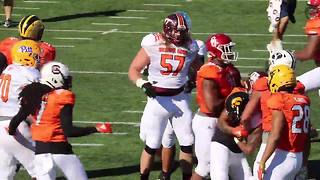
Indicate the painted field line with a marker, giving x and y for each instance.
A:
(259, 50)
(29, 8)
(147, 32)
(293, 42)
(247, 58)
(99, 72)
(87, 145)
(95, 122)
(145, 10)
(127, 17)
(161, 4)
(72, 38)
(137, 112)
(113, 133)
(110, 31)
(14, 15)
(64, 46)
(44, 2)
(250, 67)
(109, 24)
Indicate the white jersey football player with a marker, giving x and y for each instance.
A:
(169, 55)
(23, 71)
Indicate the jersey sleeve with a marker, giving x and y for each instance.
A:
(275, 102)
(202, 48)
(261, 84)
(312, 27)
(209, 72)
(48, 53)
(66, 97)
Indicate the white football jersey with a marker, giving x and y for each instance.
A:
(202, 47)
(12, 80)
(169, 64)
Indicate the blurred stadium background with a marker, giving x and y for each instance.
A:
(97, 39)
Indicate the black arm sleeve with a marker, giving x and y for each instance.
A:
(17, 119)
(67, 126)
(3, 62)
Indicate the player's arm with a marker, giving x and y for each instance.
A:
(138, 63)
(310, 49)
(213, 100)
(253, 141)
(251, 107)
(17, 119)
(3, 62)
(67, 125)
(192, 73)
(278, 123)
(224, 126)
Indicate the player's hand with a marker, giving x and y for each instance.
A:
(149, 90)
(240, 132)
(189, 86)
(104, 127)
(261, 170)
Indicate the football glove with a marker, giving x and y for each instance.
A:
(240, 132)
(104, 127)
(147, 87)
(189, 86)
(261, 171)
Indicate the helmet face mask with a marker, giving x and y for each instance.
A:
(31, 27)
(56, 75)
(220, 46)
(176, 29)
(26, 53)
(281, 77)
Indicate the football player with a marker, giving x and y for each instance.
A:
(25, 55)
(169, 55)
(50, 102)
(226, 158)
(214, 83)
(290, 114)
(30, 27)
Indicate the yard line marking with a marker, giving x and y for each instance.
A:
(244, 74)
(127, 17)
(259, 50)
(147, 32)
(109, 24)
(64, 46)
(133, 111)
(247, 58)
(110, 31)
(14, 15)
(161, 4)
(145, 10)
(98, 72)
(30, 8)
(72, 38)
(293, 42)
(250, 66)
(95, 122)
(48, 2)
(88, 145)
(114, 133)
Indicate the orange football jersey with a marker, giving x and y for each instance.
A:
(296, 109)
(261, 85)
(48, 52)
(213, 72)
(46, 126)
(312, 27)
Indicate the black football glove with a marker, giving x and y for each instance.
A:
(189, 86)
(148, 89)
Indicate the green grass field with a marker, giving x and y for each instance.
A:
(98, 43)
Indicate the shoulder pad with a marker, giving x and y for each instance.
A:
(152, 39)
(210, 71)
(261, 84)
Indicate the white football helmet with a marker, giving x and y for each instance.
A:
(285, 57)
(56, 75)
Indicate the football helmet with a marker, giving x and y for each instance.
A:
(282, 57)
(313, 9)
(175, 29)
(281, 77)
(31, 27)
(186, 18)
(235, 104)
(220, 46)
(26, 53)
(56, 75)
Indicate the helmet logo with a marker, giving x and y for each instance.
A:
(214, 42)
(26, 49)
(55, 69)
(236, 102)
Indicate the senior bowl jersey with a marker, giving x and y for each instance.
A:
(12, 80)
(169, 64)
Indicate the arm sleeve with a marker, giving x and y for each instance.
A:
(17, 119)
(67, 126)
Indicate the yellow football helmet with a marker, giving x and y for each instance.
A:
(31, 27)
(280, 78)
(26, 52)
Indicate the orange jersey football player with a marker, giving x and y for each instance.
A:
(30, 27)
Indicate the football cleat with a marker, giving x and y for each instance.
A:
(104, 127)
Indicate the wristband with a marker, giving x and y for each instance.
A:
(140, 82)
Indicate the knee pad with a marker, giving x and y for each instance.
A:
(186, 149)
(150, 150)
